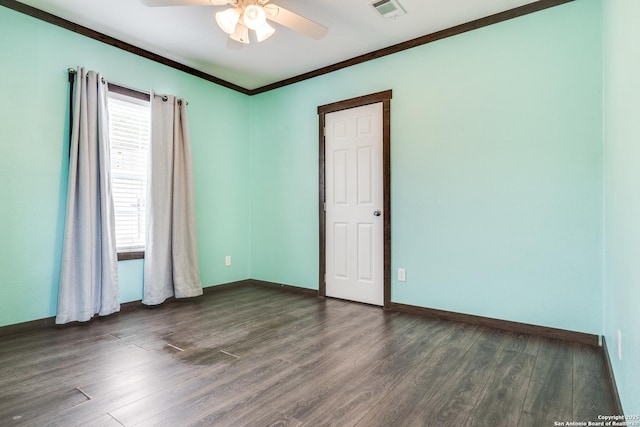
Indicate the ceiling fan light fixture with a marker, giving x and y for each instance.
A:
(254, 16)
(264, 31)
(241, 34)
(245, 15)
(228, 20)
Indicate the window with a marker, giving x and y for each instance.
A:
(129, 135)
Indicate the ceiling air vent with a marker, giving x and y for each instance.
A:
(388, 8)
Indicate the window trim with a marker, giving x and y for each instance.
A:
(127, 256)
(133, 93)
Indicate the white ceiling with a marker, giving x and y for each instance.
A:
(190, 36)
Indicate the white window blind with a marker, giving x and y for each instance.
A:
(129, 135)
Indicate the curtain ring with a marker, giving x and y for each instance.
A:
(165, 98)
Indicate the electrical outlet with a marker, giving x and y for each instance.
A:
(402, 275)
(227, 260)
(619, 345)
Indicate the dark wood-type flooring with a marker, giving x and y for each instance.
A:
(255, 356)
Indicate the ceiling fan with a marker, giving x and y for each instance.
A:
(245, 15)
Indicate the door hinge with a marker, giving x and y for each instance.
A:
(324, 278)
(324, 206)
(324, 131)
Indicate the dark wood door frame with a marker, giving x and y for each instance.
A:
(374, 98)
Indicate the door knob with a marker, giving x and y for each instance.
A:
(376, 212)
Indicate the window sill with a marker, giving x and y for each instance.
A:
(126, 256)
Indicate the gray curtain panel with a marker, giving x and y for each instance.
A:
(89, 270)
(171, 252)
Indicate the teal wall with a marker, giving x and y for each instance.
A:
(622, 204)
(496, 170)
(496, 167)
(33, 162)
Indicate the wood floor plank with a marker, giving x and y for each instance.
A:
(370, 397)
(27, 409)
(71, 373)
(298, 382)
(539, 420)
(455, 399)
(204, 403)
(550, 393)
(116, 392)
(463, 335)
(501, 401)
(521, 343)
(322, 377)
(273, 420)
(257, 356)
(104, 420)
(590, 393)
(42, 356)
(8, 378)
(421, 368)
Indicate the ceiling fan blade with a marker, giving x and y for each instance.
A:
(294, 21)
(154, 3)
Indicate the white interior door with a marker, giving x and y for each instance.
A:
(354, 201)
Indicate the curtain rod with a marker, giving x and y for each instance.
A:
(123, 90)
